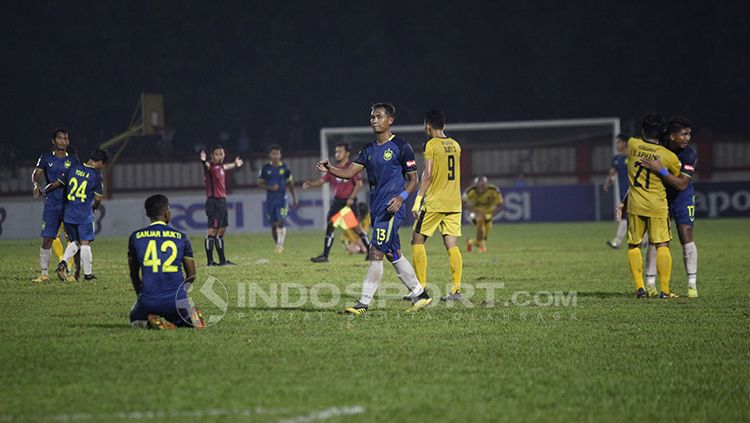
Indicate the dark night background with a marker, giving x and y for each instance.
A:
(284, 69)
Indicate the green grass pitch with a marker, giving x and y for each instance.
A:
(68, 353)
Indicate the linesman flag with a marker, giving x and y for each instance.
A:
(344, 219)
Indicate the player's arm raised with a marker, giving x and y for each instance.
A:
(204, 161)
(238, 162)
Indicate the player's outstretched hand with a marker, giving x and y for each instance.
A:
(652, 165)
(394, 204)
(238, 161)
(203, 155)
(322, 166)
(306, 185)
(619, 211)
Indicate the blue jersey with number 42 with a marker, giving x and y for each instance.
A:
(160, 250)
(82, 183)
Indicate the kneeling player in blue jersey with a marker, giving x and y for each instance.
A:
(84, 189)
(392, 174)
(155, 254)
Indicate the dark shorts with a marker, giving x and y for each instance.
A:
(276, 211)
(216, 211)
(385, 232)
(337, 205)
(180, 317)
(52, 217)
(682, 210)
(79, 231)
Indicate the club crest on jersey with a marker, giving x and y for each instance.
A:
(388, 154)
(281, 171)
(67, 164)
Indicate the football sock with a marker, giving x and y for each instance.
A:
(210, 242)
(220, 249)
(273, 233)
(371, 282)
(664, 267)
(57, 248)
(456, 265)
(280, 234)
(44, 256)
(690, 256)
(407, 276)
(86, 259)
(419, 257)
(635, 262)
(365, 240)
(622, 229)
(328, 240)
(70, 251)
(651, 266)
(487, 227)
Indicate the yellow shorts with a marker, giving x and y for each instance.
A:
(428, 222)
(658, 229)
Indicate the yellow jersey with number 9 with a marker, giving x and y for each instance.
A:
(444, 193)
(647, 195)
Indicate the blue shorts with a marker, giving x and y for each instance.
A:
(79, 231)
(682, 210)
(385, 232)
(276, 211)
(52, 218)
(169, 311)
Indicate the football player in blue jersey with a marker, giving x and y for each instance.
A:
(392, 175)
(52, 164)
(681, 203)
(83, 188)
(275, 177)
(156, 256)
(619, 173)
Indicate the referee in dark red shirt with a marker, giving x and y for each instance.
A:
(216, 202)
(344, 194)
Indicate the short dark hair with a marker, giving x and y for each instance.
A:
(57, 131)
(389, 108)
(345, 145)
(623, 136)
(99, 155)
(216, 147)
(435, 118)
(273, 147)
(156, 205)
(652, 125)
(676, 124)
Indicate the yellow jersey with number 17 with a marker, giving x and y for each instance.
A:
(444, 193)
(647, 195)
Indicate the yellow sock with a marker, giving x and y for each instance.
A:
(635, 262)
(664, 267)
(419, 257)
(457, 267)
(57, 248)
(487, 226)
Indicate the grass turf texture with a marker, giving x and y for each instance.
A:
(68, 350)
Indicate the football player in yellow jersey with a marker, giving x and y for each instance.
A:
(484, 201)
(438, 202)
(647, 203)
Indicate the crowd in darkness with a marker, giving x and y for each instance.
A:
(278, 72)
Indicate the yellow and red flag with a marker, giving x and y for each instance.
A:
(344, 219)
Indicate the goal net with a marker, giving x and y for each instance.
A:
(535, 152)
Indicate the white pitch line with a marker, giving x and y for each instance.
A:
(212, 412)
(325, 414)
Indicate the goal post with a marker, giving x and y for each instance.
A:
(529, 145)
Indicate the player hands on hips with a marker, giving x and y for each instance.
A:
(214, 172)
(392, 174)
